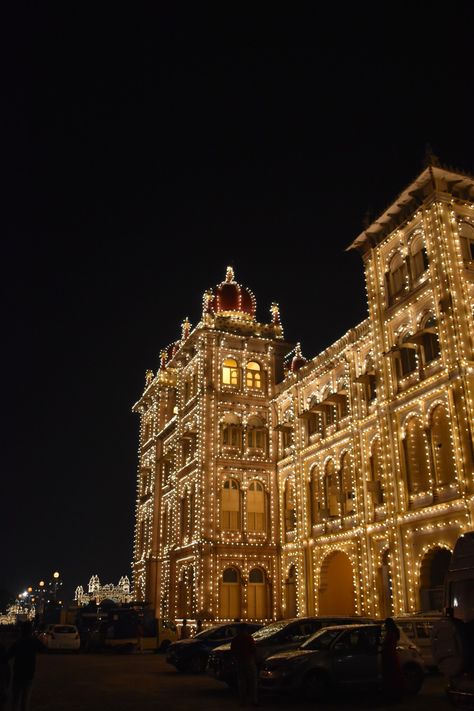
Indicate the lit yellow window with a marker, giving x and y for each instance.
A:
(256, 507)
(230, 513)
(230, 372)
(253, 375)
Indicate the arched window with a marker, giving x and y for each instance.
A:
(231, 431)
(165, 528)
(289, 505)
(430, 340)
(407, 361)
(230, 602)
(184, 517)
(332, 488)
(253, 375)
(347, 490)
(230, 510)
(257, 595)
(315, 502)
(416, 456)
(396, 276)
(230, 372)
(256, 434)
(374, 486)
(418, 258)
(442, 444)
(255, 507)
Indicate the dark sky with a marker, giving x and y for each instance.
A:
(142, 154)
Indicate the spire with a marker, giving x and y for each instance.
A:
(163, 356)
(229, 275)
(185, 328)
(275, 312)
(148, 377)
(430, 160)
(298, 359)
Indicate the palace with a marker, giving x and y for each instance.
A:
(270, 486)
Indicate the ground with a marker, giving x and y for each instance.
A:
(107, 682)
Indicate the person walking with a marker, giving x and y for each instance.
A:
(391, 671)
(23, 652)
(245, 654)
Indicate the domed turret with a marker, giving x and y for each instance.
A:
(298, 359)
(230, 299)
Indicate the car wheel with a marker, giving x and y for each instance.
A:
(412, 679)
(198, 664)
(164, 645)
(315, 686)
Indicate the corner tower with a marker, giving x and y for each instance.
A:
(207, 504)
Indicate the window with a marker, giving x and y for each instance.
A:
(416, 457)
(289, 506)
(418, 258)
(187, 390)
(253, 376)
(230, 597)
(407, 360)
(230, 373)
(256, 507)
(184, 518)
(315, 498)
(167, 469)
(257, 595)
(466, 234)
(256, 433)
(442, 445)
(374, 485)
(396, 277)
(430, 340)
(231, 431)
(332, 489)
(347, 490)
(230, 510)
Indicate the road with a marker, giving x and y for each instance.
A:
(106, 682)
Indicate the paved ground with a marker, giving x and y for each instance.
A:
(94, 682)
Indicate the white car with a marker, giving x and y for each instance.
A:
(61, 637)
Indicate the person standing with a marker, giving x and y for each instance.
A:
(23, 652)
(245, 654)
(391, 671)
(198, 626)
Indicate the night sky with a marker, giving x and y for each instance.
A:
(141, 155)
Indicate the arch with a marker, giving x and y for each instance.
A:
(347, 487)
(290, 592)
(416, 457)
(253, 375)
(256, 507)
(230, 601)
(257, 596)
(442, 445)
(231, 430)
(230, 505)
(289, 505)
(433, 568)
(332, 488)
(185, 601)
(230, 372)
(407, 360)
(396, 275)
(336, 588)
(385, 586)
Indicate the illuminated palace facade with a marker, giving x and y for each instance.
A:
(270, 486)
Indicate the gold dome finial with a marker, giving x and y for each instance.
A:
(229, 275)
(185, 328)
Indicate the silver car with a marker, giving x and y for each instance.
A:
(342, 657)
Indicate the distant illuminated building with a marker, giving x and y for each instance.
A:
(119, 593)
(272, 486)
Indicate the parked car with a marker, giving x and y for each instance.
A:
(61, 637)
(276, 637)
(191, 655)
(343, 656)
(418, 629)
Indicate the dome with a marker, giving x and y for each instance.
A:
(298, 359)
(230, 298)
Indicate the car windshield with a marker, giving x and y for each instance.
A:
(269, 630)
(322, 639)
(212, 633)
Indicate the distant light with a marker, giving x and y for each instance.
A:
(56, 574)
(30, 589)
(41, 583)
